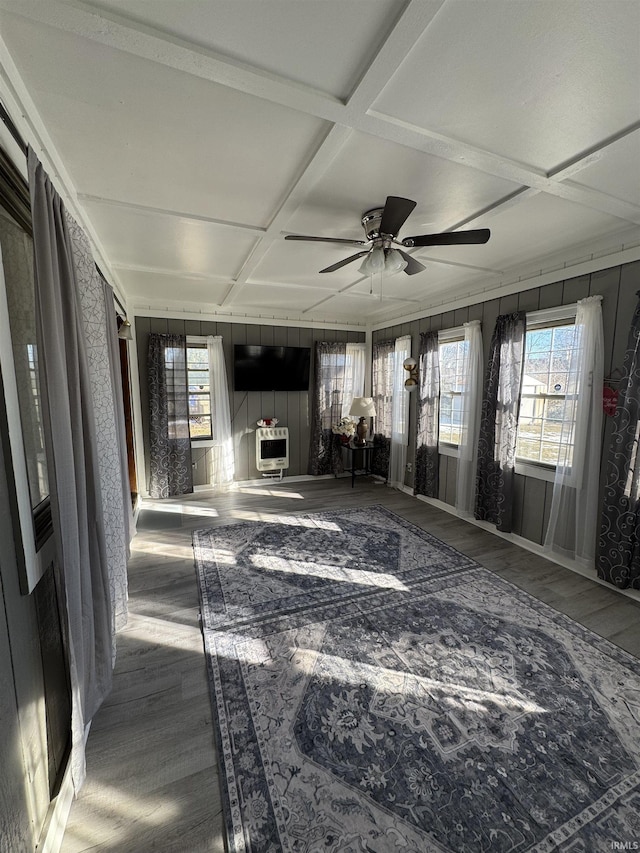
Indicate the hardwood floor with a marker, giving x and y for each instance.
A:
(151, 763)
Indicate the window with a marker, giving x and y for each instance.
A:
(341, 378)
(200, 426)
(451, 356)
(549, 350)
(23, 431)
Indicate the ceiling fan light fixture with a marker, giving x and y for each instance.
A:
(394, 262)
(374, 262)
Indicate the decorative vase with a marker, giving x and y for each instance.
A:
(361, 431)
(345, 439)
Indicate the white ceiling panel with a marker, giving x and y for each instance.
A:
(325, 44)
(266, 297)
(140, 238)
(160, 289)
(138, 131)
(195, 135)
(617, 170)
(536, 82)
(367, 170)
(533, 230)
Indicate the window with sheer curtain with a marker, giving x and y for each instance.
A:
(391, 401)
(339, 373)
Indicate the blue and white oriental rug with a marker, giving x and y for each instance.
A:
(377, 691)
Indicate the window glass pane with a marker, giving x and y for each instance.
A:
(198, 380)
(199, 404)
(547, 361)
(200, 426)
(199, 391)
(451, 357)
(17, 262)
(197, 357)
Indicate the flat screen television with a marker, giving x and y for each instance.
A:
(263, 368)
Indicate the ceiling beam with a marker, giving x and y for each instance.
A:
(124, 34)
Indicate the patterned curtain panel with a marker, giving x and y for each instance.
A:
(327, 407)
(618, 559)
(382, 393)
(72, 447)
(170, 445)
(427, 456)
(471, 402)
(107, 406)
(499, 422)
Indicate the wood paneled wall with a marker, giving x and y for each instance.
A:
(290, 407)
(617, 286)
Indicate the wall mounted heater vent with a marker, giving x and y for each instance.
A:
(272, 448)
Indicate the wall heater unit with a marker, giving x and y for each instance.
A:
(272, 448)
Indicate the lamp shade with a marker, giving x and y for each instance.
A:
(394, 262)
(362, 407)
(373, 262)
(124, 330)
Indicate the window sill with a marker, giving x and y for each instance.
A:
(538, 472)
(448, 450)
(202, 442)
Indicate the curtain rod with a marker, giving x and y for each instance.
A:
(13, 130)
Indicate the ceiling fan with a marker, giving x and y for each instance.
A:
(381, 226)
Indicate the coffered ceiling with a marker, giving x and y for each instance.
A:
(194, 136)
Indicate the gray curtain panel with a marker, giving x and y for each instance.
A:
(325, 456)
(382, 393)
(72, 451)
(618, 557)
(499, 422)
(169, 441)
(427, 456)
(113, 346)
(98, 321)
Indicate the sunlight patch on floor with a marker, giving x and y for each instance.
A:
(291, 520)
(325, 570)
(153, 630)
(162, 549)
(274, 493)
(224, 557)
(346, 672)
(106, 801)
(190, 508)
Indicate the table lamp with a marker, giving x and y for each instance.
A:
(363, 408)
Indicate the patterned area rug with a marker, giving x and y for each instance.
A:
(378, 691)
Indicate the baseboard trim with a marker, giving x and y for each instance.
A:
(57, 816)
(527, 544)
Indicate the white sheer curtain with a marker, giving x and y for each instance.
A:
(354, 371)
(222, 465)
(573, 520)
(471, 402)
(400, 414)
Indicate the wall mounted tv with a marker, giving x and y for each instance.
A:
(263, 368)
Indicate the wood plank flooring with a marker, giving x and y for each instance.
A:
(152, 780)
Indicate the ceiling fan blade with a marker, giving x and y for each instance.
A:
(325, 240)
(449, 238)
(412, 266)
(346, 261)
(395, 214)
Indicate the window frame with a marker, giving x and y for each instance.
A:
(447, 336)
(32, 524)
(199, 342)
(560, 315)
